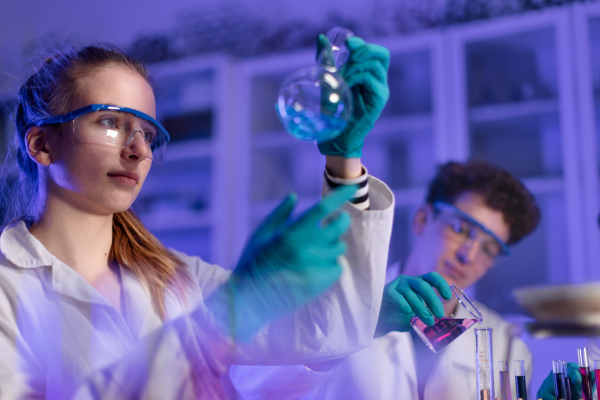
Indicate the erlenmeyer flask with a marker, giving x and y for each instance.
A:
(315, 103)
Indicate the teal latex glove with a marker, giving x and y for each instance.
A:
(407, 296)
(286, 263)
(547, 390)
(365, 72)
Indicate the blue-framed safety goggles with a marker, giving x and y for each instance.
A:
(504, 250)
(115, 126)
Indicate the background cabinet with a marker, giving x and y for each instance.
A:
(513, 104)
(183, 201)
(522, 92)
(503, 91)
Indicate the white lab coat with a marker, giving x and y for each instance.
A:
(57, 332)
(386, 370)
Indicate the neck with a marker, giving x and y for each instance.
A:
(79, 239)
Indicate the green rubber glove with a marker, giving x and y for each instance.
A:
(365, 72)
(286, 263)
(547, 390)
(407, 296)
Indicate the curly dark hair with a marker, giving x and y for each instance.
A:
(500, 190)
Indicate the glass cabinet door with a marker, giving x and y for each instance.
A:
(514, 109)
(177, 202)
(403, 148)
(587, 50)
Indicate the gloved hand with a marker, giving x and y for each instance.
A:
(547, 390)
(365, 72)
(407, 296)
(286, 263)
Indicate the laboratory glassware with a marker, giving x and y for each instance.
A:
(485, 364)
(567, 380)
(520, 384)
(560, 389)
(584, 370)
(315, 103)
(597, 373)
(446, 329)
(505, 390)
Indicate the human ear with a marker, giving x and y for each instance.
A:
(36, 141)
(420, 219)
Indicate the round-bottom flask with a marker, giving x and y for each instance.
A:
(315, 103)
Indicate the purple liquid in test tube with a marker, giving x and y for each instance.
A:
(505, 391)
(584, 370)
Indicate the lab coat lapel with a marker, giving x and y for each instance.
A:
(21, 248)
(140, 315)
(67, 282)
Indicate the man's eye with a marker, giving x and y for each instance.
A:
(491, 250)
(457, 227)
(149, 136)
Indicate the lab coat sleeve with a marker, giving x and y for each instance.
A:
(183, 360)
(335, 325)
(342, 320)
(285, 382)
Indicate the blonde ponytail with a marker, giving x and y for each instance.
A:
(136, 249)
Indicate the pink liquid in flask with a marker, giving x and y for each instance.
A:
(443, 332)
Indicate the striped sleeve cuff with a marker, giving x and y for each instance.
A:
(360, 199)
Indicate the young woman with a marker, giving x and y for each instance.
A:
(93, 306)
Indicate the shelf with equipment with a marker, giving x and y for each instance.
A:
(513, 104)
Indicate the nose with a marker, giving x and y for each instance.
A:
(137, 147)
(467, 252)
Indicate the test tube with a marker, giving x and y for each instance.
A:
(520, 383)
(505, 392)
(584, 370)
(485, 364)
(597, 372)
(559, 380)
(567, 380)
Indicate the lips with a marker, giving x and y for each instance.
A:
(125, 175)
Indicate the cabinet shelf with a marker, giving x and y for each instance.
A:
(506, 111)
(544, 185)
(410, 197)
(403, 123)
(273, 139)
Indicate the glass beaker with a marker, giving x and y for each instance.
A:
(315, 103)
(459, 315)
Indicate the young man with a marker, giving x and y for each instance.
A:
(472, 212)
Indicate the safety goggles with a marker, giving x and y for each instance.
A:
(466, 228)
(116, 127)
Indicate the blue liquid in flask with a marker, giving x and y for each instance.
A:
(315, 103)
